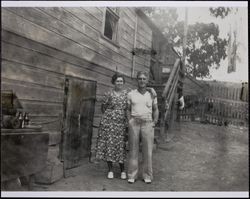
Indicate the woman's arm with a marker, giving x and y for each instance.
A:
(152, 92)
(128, 110)
(106, 101)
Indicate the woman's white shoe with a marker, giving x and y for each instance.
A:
(110, 175)
(123, 175)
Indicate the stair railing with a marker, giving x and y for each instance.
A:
(168, 95)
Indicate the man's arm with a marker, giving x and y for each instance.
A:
(155, 113)
(128, 112)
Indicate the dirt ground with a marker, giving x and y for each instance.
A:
(198, 158)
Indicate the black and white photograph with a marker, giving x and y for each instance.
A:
(124, 99)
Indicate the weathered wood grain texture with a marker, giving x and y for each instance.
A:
(20, 25)
(193, 87)
(42, 45)
(29, 91)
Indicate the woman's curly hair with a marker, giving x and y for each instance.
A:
(116, 76)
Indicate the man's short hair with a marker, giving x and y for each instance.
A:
(142, 73)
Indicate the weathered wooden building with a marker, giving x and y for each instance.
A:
(58, 61)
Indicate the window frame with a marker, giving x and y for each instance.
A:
(116, 17)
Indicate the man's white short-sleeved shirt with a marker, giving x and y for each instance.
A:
(141, 104)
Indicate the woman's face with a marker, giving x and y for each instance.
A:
(119, 83)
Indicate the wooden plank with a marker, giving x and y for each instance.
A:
(98, 111)
(28, 73)
(21, 55)
(52, 53)
(73, 21)
(29, 30)
(145, 61)
(48, 123)
(231, 93)
(86, 74)
(94, 12)
(127, 23)
(103, 49)
(45, 78)
(77, 138)
(234, 93)
(126, 52)
(145, 29)
(28, 91)
(41, 108)
(34, 46)
(124, 44)
(219, 91)
(231, 90)
(130, 11)
(70, 31)
(238, 93)
(84, 16)
(225, 93)
(127, 16)
(146, 41)
(126, 34)
(140, 43)
(102, 88)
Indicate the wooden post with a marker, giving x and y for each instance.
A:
(185, 38)
(133, 55)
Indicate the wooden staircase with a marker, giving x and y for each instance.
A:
(167, 96)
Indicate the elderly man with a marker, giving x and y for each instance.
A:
(143, 115)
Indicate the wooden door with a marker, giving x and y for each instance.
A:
(80, 95)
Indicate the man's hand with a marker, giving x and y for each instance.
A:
(182, 103)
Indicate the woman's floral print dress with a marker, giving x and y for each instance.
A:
(110, 140)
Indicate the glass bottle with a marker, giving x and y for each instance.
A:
(26, 119)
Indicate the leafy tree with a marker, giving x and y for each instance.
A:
(164, 18)
(222, 11)
(205, 48)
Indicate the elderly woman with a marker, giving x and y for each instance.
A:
(112, 130)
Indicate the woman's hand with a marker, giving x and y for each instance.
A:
(152, 92)
(182, 103)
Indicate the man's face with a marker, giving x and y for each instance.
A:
(142, 81)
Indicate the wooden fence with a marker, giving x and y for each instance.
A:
(221, 106)
(228, 90)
